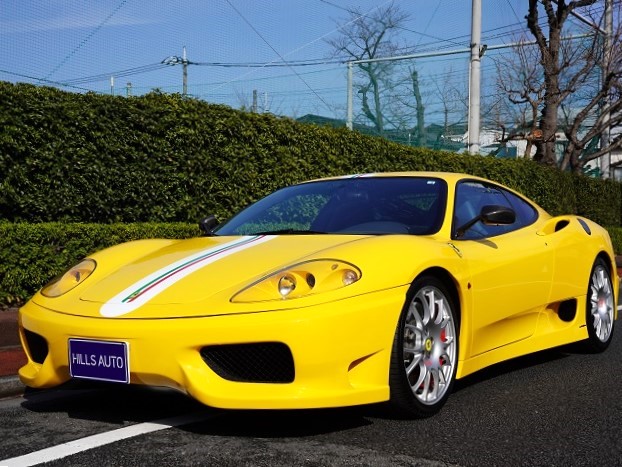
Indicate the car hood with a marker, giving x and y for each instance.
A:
(195, 277)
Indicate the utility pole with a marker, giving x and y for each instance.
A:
(112, 85)
(184, 62)
(175, 60)
(350, 112)
(474, 76)
(605, 137)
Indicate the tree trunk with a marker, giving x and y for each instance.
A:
(377, 104)
(549, 54)
(421, 133)
(545, 147)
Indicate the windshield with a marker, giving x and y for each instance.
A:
(373, 205)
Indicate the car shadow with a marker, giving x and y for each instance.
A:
(519, 363)
(283, 423)
(120, 405)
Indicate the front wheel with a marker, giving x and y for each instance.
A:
(599, 308)
(425, 349)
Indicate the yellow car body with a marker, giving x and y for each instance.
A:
(200, 315)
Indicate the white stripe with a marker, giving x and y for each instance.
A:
(115, 306)
(101, 439)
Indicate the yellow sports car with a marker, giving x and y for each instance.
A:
(333, 292)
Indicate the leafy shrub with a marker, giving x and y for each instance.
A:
(162, 158)
(616, 238)
(32, 254)
(91, 158)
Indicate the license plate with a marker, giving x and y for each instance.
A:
(99, 360)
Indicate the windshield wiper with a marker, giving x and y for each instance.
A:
(289, 232)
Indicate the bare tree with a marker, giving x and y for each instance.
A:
(597, 102)
(454, 103)
(405, 102)
(521, 81)
(369, 36)
(568, 68)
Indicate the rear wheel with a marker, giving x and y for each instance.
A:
(425, 350)
(600, 307)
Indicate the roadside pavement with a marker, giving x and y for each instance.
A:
(11, 354)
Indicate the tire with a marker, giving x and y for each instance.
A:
(599, 308)
(425, 350)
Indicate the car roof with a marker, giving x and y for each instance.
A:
(448, 176)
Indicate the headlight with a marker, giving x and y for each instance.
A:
(299, 280)
(63, 284)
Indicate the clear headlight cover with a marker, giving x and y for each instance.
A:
(67, 281)
(299, 280)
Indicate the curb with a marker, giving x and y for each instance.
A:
(11, 386)
(11, 355)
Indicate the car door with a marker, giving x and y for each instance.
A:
(510, 266)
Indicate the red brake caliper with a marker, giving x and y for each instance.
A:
(443, 339)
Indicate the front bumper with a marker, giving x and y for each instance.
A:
(341, 351)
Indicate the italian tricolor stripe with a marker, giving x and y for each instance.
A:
(148, 287)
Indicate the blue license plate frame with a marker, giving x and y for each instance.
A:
(99, 360)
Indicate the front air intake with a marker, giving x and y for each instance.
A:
(37, 346)
(265, 362)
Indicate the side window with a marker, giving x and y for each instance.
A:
(471, 196)
(526, 214)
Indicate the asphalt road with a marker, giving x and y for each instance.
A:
(555, 408)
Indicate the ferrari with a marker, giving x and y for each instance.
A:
(333, 292)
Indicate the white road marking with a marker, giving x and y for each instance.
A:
(84, 444)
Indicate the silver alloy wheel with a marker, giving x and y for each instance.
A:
(429, 345)
(601, 303)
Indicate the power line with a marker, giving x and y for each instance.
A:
(43, 80)
(297, 63)
(86, 39)
(116, 74)
(276, 52)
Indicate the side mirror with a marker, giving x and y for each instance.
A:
(497, 215)
(489, 215)
(207, 225)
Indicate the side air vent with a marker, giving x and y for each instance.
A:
(567, 310)
(585, 226)
(561, 224)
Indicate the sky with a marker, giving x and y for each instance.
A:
(78, 45)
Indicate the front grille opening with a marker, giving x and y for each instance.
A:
(37, 346)
(264, 362)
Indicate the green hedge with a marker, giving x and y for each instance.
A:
(91, 158)
(32, 254)
(616, 238)
(161, 158)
